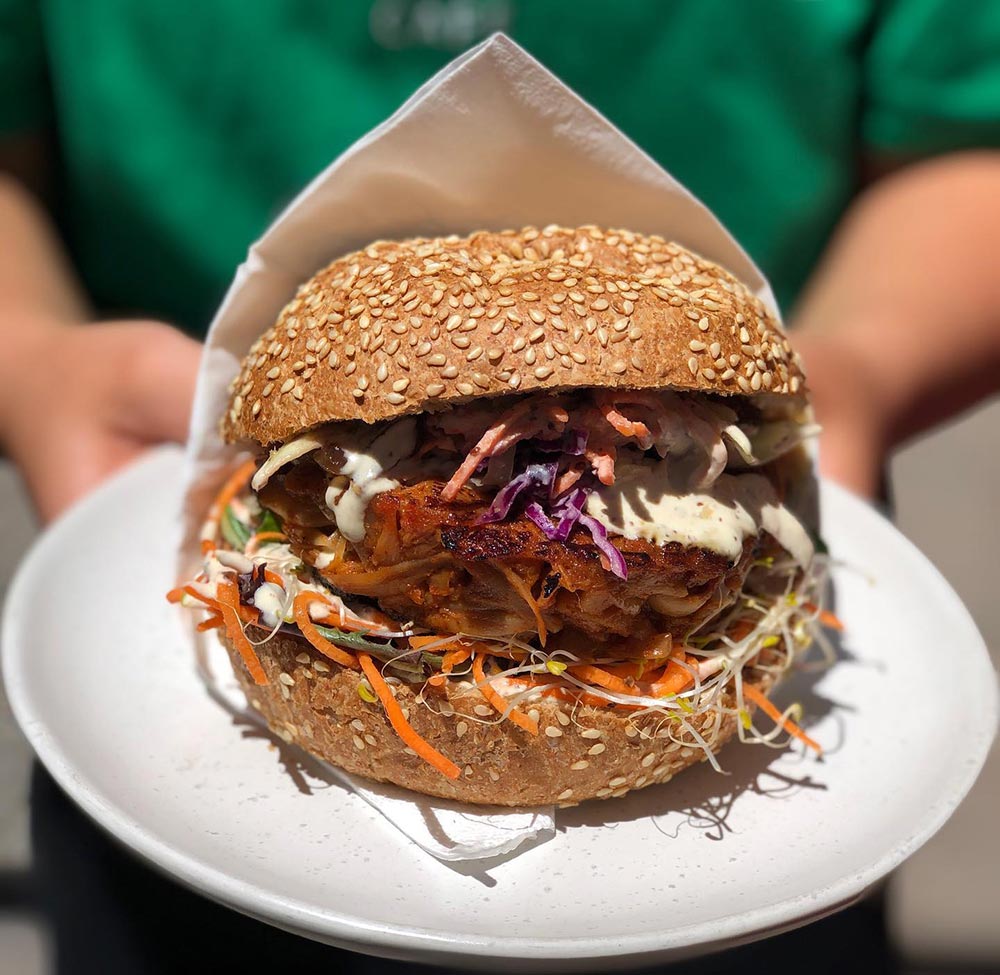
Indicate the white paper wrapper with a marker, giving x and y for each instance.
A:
(493, 141)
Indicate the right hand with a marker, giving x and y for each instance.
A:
(82, 401)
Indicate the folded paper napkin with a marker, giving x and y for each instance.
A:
(493, 141)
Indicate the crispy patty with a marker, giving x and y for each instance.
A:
(427, 560)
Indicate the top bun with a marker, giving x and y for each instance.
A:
(418, 325)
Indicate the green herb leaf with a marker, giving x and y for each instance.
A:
(234, 531)
(269, 522)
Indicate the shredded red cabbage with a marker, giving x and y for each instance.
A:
(616, 561)
(555, 516)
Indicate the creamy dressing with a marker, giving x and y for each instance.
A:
(285, 454)
(365, 463)
(644, 503)
(270, 600)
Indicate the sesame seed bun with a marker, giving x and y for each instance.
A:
(581, 752)
(418, 325)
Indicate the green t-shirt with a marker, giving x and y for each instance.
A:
(183, 130)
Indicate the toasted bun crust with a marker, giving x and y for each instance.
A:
(580, 753)
(417, 325)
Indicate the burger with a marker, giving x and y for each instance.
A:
(527, 518)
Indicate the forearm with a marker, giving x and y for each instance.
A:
(909, 293)
(38, 295)
(36, 280)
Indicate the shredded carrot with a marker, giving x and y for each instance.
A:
(419, 642)
(675, 678)
(229, 600)
(455, 657)
(596, 675)
(513, 426)
(248, 614)
(300, 609)
(437, 680)
(212, 623)
(270, 576)
(524, 591)
(175, 595)
(235, 482)
(741, 630)
(776, 716)
(496, 700)
(824, 616)
(255, 540)
(402, 727)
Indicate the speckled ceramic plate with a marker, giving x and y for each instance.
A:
(125, 726)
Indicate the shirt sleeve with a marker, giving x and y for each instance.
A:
(24, 92)
(933, 76)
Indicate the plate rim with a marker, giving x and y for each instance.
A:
(420, 943)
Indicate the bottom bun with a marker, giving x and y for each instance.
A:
(581, 752)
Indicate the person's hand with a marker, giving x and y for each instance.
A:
(847, 402)
(81, 401)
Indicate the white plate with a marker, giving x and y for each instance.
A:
(102, 683)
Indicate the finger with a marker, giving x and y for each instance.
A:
(160, 390)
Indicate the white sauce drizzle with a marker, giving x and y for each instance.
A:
(365, 464)
(285, 454)
(644, 503)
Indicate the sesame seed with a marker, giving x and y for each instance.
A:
(565, 794)
(400, 384)
(696, 346)
(563, 718)
(449, 372)
(600, 304)
(618, 366)
(536, 316)
(744, 336)
(287, 386)
(436, 360)
(580, 766)
(466, 389)
(693, 366)
(482, 710)
(591, 733)
(382, 372)
(286, 679)
(395, 399)
(597, 749)
(602, 793)
(256, 408)
(529, 296)
(553, 732)
(358, 743)
(648, 760)
(543, 372)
